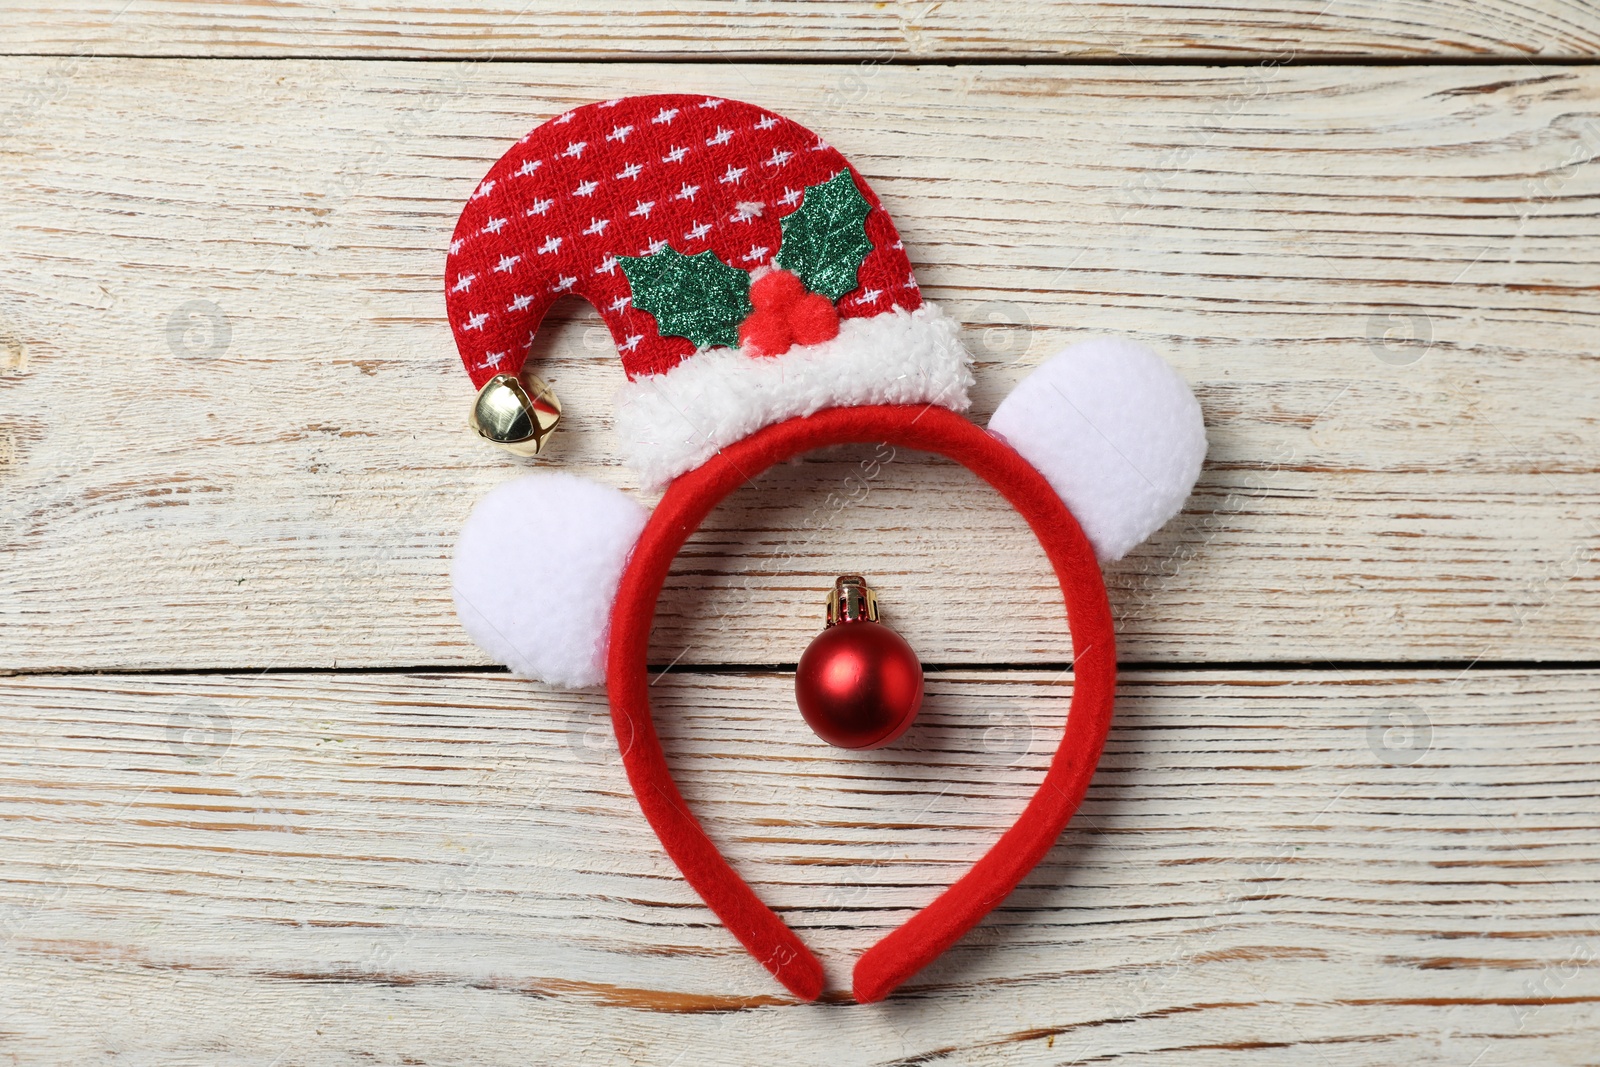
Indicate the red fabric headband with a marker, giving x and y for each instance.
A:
(763, 305)
(686, 504)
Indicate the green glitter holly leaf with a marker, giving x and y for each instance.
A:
(697, 297)
(825, 238)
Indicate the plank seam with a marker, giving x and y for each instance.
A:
(1048, 666)
(854, 58)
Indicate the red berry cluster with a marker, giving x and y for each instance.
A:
(786, 315)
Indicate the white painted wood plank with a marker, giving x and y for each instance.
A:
(285, 491)
(872, 32)
(336, 868)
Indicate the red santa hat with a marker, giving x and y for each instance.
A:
(746, 271)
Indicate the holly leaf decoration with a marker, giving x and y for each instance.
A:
(825, 238)
(697, 297)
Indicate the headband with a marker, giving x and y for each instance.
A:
(763, 306)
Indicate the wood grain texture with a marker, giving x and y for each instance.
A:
(732, 29)
(427, 868)
(231, 419)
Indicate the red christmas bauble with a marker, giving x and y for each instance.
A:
(859, 684)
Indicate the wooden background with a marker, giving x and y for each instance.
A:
(264, 805)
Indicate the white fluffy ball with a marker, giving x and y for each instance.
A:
(1115, 431)
(536, 572)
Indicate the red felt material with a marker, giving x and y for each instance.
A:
(928, 933)
(813, 320)
(776, 288)
(766, 332)
(786, 315)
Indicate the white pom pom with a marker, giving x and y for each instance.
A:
(1115, 431)
(536, 572)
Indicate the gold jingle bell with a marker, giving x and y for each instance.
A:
(517, 414)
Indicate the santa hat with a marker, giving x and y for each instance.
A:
(748, 275)
(746, 271)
